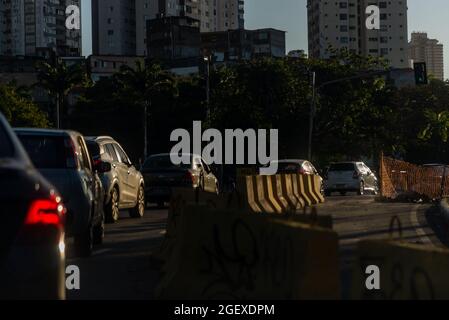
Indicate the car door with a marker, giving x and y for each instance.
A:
(209, 178)
(133, 180)
(121, 170)
(86, 172)
(124, 172)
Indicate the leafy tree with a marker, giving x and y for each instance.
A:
(59, 79)
(19, 111)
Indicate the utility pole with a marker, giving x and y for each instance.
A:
(207, 60)
(312, 116)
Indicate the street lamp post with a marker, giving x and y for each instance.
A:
(207, 59)
(312, 115)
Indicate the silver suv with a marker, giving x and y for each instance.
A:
(346, 177)
(124, 185)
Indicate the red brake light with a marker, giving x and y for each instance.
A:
(45, 212)
(189, 177)
(43, 223)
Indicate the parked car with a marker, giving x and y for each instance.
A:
(62, 158)
(161, 175)
(32, 258)
(346, 177)
(292, 166)
(124, 184)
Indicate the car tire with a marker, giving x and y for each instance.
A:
(361, 191)
(111, 209)
(84, 243)
(98, 233)
(139, 210)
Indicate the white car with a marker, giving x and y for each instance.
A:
(346, 177)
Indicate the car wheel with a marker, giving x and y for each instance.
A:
(98, 233)
(112, 208)
(361, 191)
(139, 210)
(84, 242)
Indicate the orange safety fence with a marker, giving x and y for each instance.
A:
(400, 177)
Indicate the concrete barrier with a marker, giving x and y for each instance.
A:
(407, 271)
(229, 255)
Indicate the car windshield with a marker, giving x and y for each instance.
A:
(6, 147)
(46, 152)
(284, 167)
(342, 167)
(163, 162)
(94, 149)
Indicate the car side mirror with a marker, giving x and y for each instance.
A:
(103, 167)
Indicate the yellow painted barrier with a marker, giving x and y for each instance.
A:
(294, 201)
(278, 193)
(407, 271)
(304, 191)
(228, 255)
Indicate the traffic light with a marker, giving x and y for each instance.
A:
(420, 73)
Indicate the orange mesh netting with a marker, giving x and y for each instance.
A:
(400, 177)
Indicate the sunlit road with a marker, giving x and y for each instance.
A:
(120, 268)
(358, 218)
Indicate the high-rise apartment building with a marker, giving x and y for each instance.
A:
(37, 27)
(430, 51)
(213, 15)
(114, 27)
(342, 24)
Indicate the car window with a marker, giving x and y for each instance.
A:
(111, 151)
(123, 157)
(342, 167)
(49, 152)
(162, 162)
(94, 149)
(85, 161)
(6, 146)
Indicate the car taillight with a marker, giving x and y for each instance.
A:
(355, 175)
(189, 178)
(44, 222)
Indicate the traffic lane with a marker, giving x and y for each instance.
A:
(121, 268)
(361, 217)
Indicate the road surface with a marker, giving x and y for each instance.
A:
(121, 268)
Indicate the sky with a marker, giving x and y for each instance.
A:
(429, 16)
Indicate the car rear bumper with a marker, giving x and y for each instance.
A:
(33, 272)
(342, 186)
(158, 194)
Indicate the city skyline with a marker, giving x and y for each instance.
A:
(291, 16)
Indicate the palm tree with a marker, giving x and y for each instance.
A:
(437, 125)
(58, 80)
(141, 83)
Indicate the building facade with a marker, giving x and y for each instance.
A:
(213, 15)
(37, 28)
(114, 27)
(430, 51)
(342, 24)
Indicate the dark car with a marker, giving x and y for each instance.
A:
(32, 247)
(161, 175)
(63, 159)
(124, 184)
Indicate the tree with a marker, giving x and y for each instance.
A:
(141, 83)
(59, 79)
(19, 111)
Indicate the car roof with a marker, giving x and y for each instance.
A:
(48, 132)
(100, 139)
(20, 156)
(299, 161)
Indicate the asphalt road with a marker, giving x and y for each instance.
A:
(121, 268)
